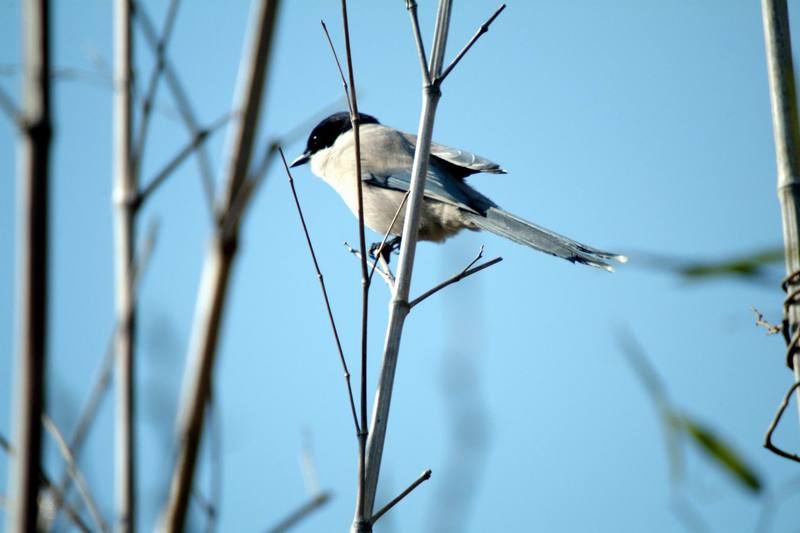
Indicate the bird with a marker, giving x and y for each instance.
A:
(450, 205)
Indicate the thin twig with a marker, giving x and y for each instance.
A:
(184, 106)
(69, 510)
(191, 147)
(301, 512)
(772, 329)
(426, 475)
(152, 85)
(481, 30)
(774, 424)
(215, 452)
(468, 271)
(75, 473)
(338, 64)
(324, 294)
(361, 514)
(378, 251)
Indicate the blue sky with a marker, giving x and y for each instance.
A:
(636, 126)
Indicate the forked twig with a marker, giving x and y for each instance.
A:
(324, 294)
(481, 30)
(774, 424)
(466, 272)
(426, 475)
(78, 478)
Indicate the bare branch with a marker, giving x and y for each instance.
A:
(300, 513)
(468, 271)
(324, 294)
(426, 475)
(191, 147)
(399, 308)
(481, 30)
(774, 424)
(80, 481)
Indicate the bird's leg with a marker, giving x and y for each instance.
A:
(385, 251)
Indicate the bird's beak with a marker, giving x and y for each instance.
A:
(302, 160)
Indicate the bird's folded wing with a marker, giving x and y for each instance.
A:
(461, 158)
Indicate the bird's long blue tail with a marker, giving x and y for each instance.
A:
(523, 232)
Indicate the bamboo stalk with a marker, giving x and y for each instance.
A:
(34, 154)
(787, 143)
(398, 307)
(217, 268)
(125, 194)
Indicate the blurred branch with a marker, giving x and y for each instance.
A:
(32, 254)
(466, 272)
(183, 104)
(301, 513)
(75, 473)
(426, 475)
(191, 147)
(126, 190)
(217, 268)
(321, 280)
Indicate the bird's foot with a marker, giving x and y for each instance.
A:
(389, 247)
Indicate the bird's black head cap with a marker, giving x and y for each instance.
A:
(326, 132)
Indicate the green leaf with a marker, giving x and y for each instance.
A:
(722, 453)
(751, 265)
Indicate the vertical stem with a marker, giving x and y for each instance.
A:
(361, 512)
(125, 191)
(398, 307)
(787, 142)
(32, 251)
